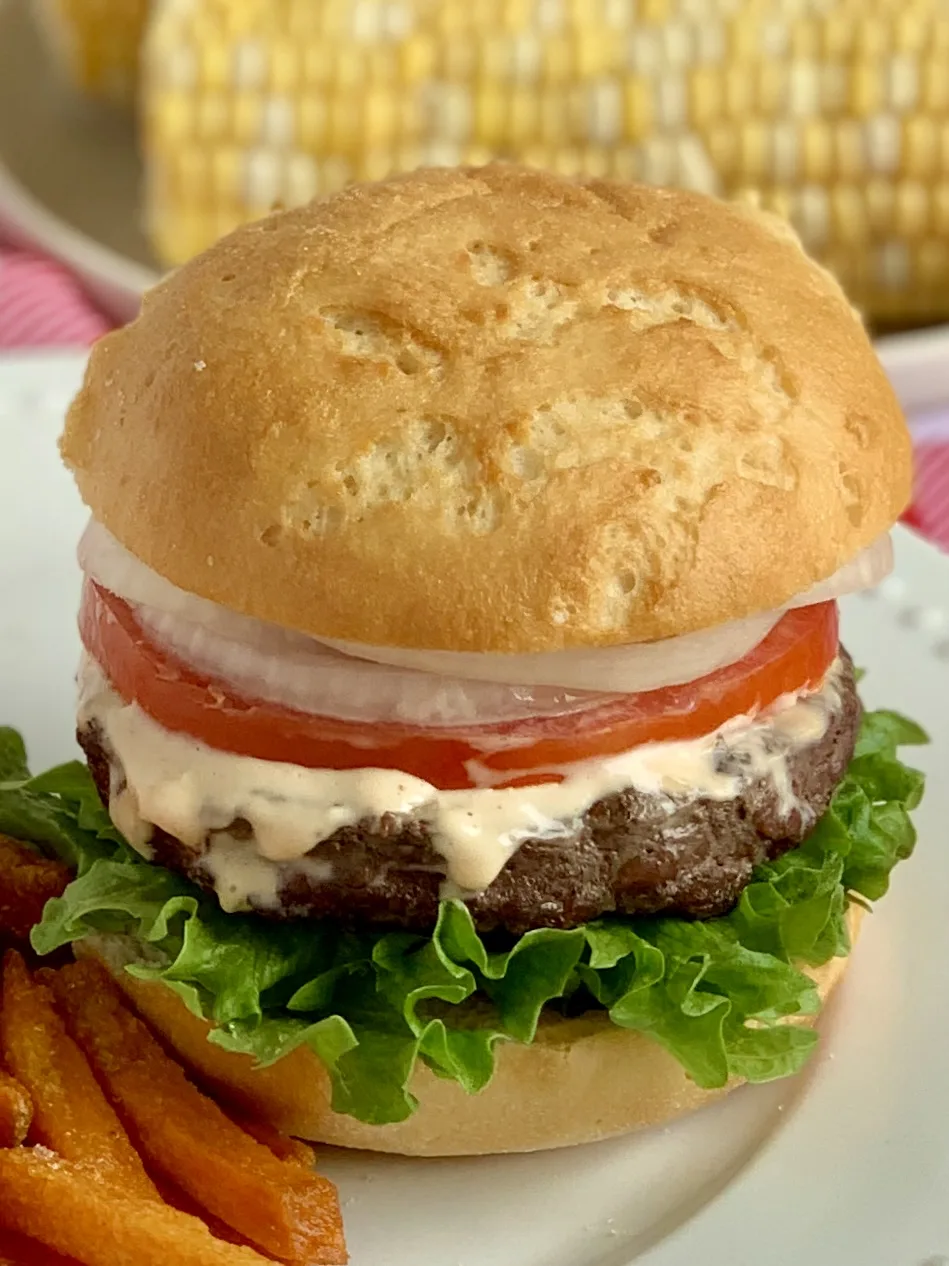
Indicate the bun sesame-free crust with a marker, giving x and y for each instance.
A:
(494, 410)
(580, 1080)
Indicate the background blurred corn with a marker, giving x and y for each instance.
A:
(834, 113)
(98, 43)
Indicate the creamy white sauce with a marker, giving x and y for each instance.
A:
(241, 876)
(195, 793)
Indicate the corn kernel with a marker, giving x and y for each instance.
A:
(920, 146)
(626, 163)
(753, 150)
(932, 262)
(418, 56)
(866, 88)
(934, 85)
(938, 34)
(595, 52)
(706, 95)
(940, 208)
(637, 109)
(839, 35)
(912, 209)
(910, 33)
(655, 11)
(739, 92)
(771, 91)
(806, 39)
(722, 141)
(553, 119)
(778, 201)
(880, 205)
(744, 38)
(848, 217)
(314, 122)
(873, 38)
(850, 160)
(523, 117)
(558, 61)
(490, 115)
(817, 149)
(596, 161)
(246, 117)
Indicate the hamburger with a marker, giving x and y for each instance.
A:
(461, 672)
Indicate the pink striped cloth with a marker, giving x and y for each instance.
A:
(41, 305)
(930, 511)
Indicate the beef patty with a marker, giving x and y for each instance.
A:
(630, 853)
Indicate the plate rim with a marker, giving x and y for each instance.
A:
(114, 280)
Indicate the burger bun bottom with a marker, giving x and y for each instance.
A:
(581, 1080)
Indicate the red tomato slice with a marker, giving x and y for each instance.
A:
(794, 656)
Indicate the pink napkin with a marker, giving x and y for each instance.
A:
(41, 305)
(930, 510)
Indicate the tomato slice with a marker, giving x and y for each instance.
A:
(794, 656)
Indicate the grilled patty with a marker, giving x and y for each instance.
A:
(630, 853)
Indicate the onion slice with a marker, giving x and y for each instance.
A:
(864, 571)
(616, 669)
(638, 666)
(314, 678)
(353, 681)
(106, 561)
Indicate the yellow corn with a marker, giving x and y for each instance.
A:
(834, 113)
(97, 42)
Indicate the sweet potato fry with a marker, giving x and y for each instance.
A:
(16, 1111)
(27, 881)
(179, 1200)
(16, 1250)
(280, 1207)
(285, 1148)
(68, 1209)
(71, 1115)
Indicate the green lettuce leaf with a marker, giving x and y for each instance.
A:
(13, 764)
(59, 810)
(372, 1005)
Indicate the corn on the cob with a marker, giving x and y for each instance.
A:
(97, 42)
(833, 112)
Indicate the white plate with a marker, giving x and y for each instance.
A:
(847, 1166)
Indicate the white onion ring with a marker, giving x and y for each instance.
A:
(864, 571)
(107, 562)
(638, 666)
(308, 676)
(359, 682)
(616, 669)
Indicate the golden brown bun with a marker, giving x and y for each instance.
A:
(580, 1080)
(494, 410)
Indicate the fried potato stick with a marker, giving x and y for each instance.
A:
(16, 1250)
(68, 1209)
(71, 1114)
(16, 1111)
(283, 1209)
